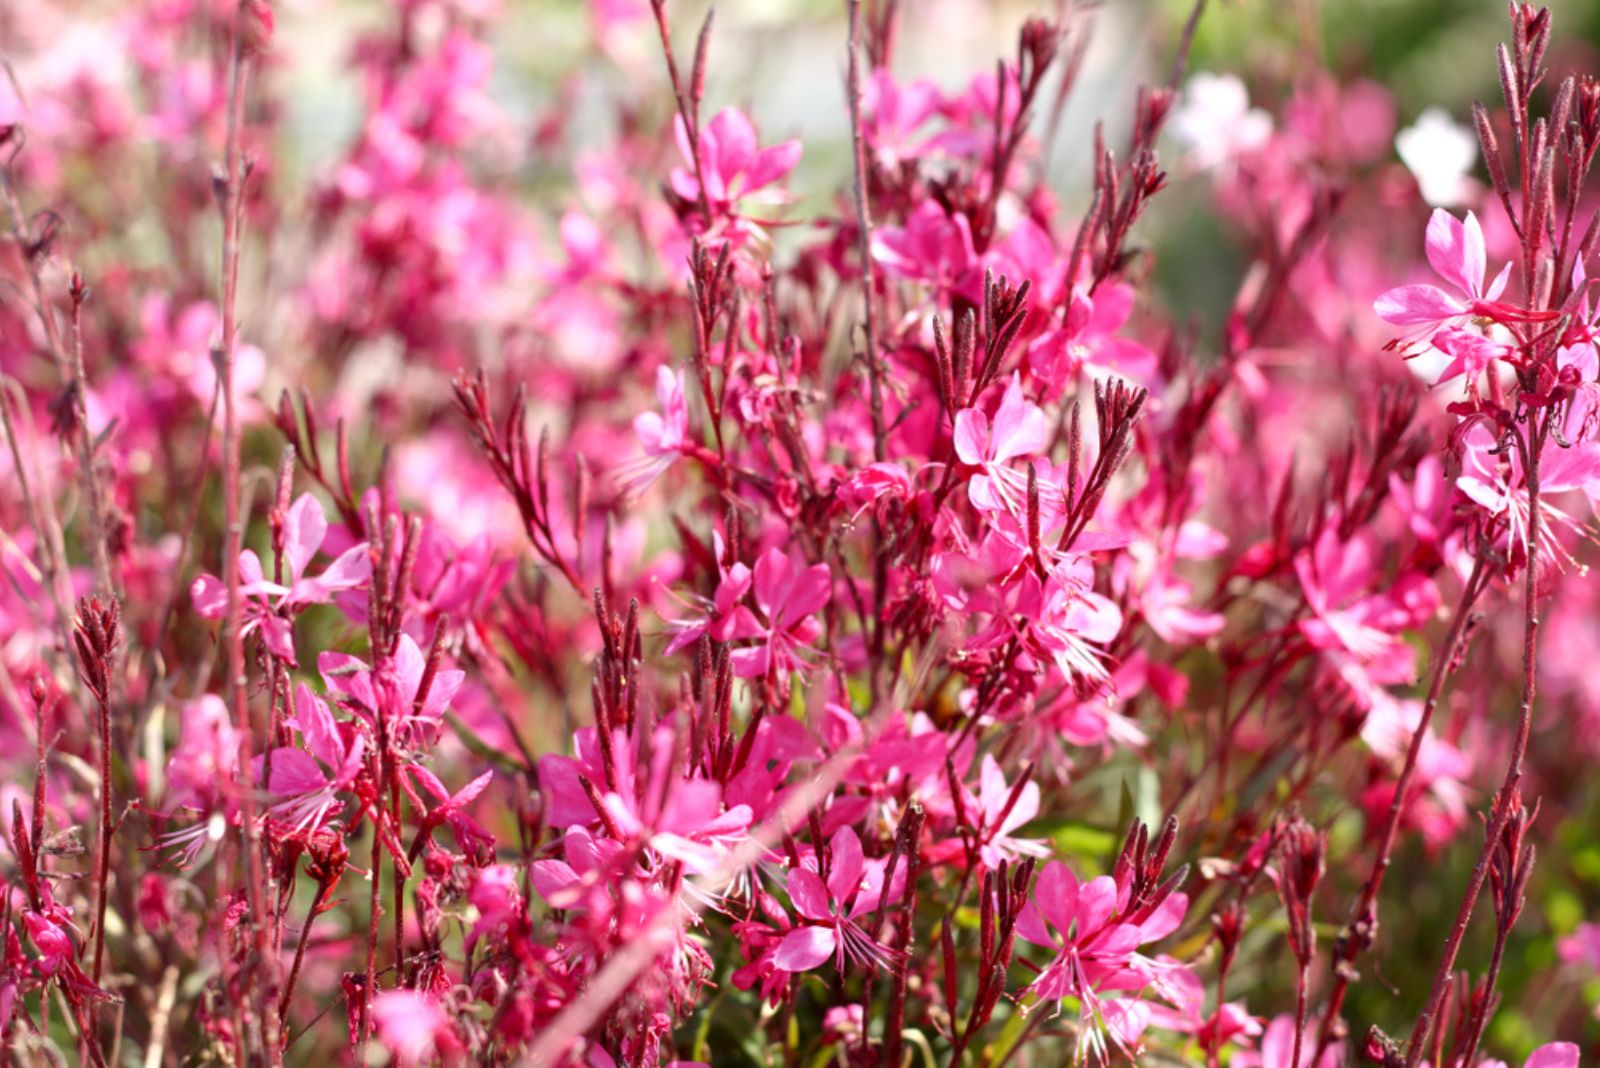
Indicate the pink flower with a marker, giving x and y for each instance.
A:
(933, 248)
(1494, 479)
(269, 606)
(1020, 430)
(1060, 619)
(1086, 341)
(683, 821)
(1456, 252)
(1216, 123)
(829, 910)
(393, 688)
(1000, 809)
(308, 781)
(1582, 946)
(662, 435)
(893, 113)
(1096, 948)
(1438, 792)
(1550, 1055)
(1349, 617)
(731, 163)
(451, 809)
(496, 897)
(206, 757)
(788, 599)
(1277, 1049)
(414, 1026)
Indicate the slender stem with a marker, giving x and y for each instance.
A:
(880, 439)
(1301, 1011)
(864, 237)
(1362, 928)
(102, 876)
(299, 954)
(1481, 1020)
(233, 543)
(1531, 446)
(85, 448)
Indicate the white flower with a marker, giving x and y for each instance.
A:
(1440, 154)
(1216, 122)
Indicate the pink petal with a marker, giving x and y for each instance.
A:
(303, 530)
(210, 597)
(727, 148)
(1415, 305)
(1165, 919)
(809, 896)
(1030, 925)
(844, 872)
(315, 722)
(971, 436)
(1554, 1055)
(772, 580)
(771, 164)
(810, 592)
(804, 948)
(294, 772)
(1455, 250)
(278, 636)
(1020, 428)
(691, 804)
(470, 792)
(1057, 896)
(351, 569)
(409, 665)
(1096, 901)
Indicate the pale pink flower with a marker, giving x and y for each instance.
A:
(1020, 430)
(663, 436)
(1456, 251)
(414, 1026)
(1277, 1049)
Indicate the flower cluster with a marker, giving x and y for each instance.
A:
(488, 592)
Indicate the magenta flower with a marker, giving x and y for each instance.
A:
(829, 910)
(1582, 946)
(206, 758)
(998, 810)
(1086, 342)
(685, 822)
(393, 688)
(1059, 619)
(788, 598)
(933, 247)
(1495, 481)
(1350, 618)
(731, 163)
(270, 606)
(451, 809)
(893, 113)
(1097, 950)
(307, 782)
